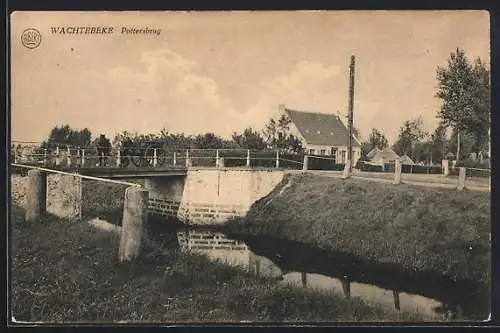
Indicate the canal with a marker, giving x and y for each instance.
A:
(308, 267)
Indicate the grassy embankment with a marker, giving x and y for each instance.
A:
(67, 271)
(419, 229)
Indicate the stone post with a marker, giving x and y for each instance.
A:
(188, 161)
(303, 277)
(306, 162)
(155, 158)
(36, 197)
(277, 159)
(58, 160)
(461, 178)
(69, 156)
(135, 216)
(397, 172)
(347, 173)
(397, 302)
(346, 287)
(446, 167)
(248, 158)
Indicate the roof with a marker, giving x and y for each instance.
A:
(321, 128)
(372, 153)
(405, 159)
(386, 154)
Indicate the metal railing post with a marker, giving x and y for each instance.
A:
(248, 158)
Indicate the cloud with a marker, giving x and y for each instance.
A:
(168, 91)
(309, 86)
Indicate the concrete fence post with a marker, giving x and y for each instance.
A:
(58, 160)
(248, 158)
(346, 287)
(175, 158)
(306, 162)
(155, 158)
(36, 197)
(135, 217)
(188, 161)
(461, 178)
(397, 172)
(446, 167)
(118, 158)
(303, 277)
(277, 159)
(44, 156)
(397, 302)
(69, 156)
(83, 157)
(217, 162)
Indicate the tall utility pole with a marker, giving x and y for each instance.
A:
(351, 107)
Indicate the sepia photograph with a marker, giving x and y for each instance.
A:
(242, 167)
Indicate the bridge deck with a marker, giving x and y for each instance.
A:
(130, 172)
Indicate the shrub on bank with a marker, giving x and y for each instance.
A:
(417, 228)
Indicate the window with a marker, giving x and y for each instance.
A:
(322, 152)
(333, 152)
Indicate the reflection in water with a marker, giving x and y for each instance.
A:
(237, 253)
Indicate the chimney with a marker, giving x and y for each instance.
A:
(281, 108)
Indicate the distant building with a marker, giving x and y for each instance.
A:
(322, 134)
(384, 157)
(405, 159)
(372, 153)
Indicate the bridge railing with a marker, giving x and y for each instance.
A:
(158, 157)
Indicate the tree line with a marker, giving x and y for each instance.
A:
(275, 135)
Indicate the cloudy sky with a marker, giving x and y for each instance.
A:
(224, 71)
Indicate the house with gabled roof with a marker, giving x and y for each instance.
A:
(322, 134)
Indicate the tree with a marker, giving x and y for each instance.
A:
(249, 139)
(65, 135)
(465, 93)
(410, 133)
(277, 135)
(378, 139)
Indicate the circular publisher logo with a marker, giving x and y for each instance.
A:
(31, 38)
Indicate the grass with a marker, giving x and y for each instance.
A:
(67, 271)
(419, 229)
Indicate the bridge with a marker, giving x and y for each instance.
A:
(148, 160)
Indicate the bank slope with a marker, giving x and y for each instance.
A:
(417, 228)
